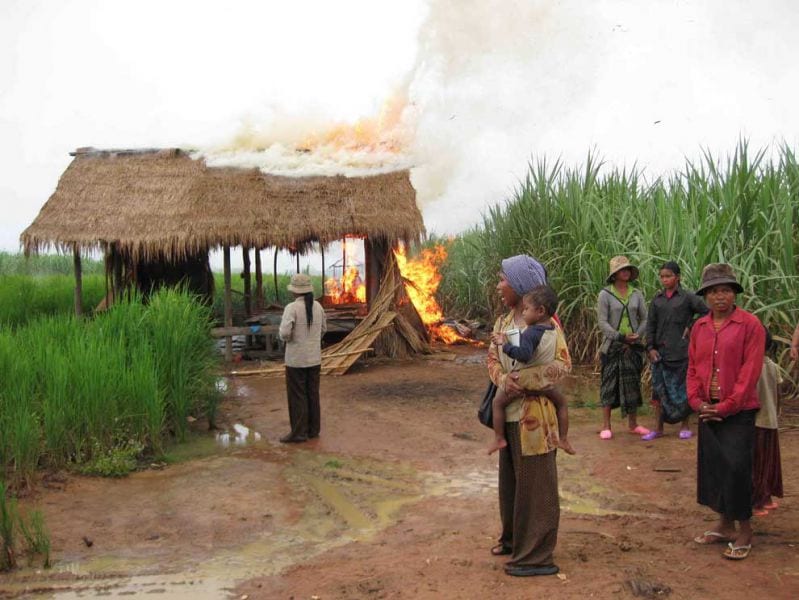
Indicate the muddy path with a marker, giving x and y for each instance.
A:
(396, 499)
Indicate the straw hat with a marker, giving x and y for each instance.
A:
(617, 263)
(718, 274)
(300, 284)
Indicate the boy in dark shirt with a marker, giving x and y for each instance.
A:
(536, 347)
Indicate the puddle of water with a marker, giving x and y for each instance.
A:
(242, 436)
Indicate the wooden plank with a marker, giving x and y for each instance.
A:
(218, 332)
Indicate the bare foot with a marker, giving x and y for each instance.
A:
(498, 444)
(565, 445)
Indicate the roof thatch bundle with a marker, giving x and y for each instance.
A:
(164, 204)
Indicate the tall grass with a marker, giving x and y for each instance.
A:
(25, 297)
(743, 210)
(46, 264)
(76, 390)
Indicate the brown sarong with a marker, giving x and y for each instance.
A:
(529, 505)
(766, 467)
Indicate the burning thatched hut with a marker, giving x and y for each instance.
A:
(145, 208)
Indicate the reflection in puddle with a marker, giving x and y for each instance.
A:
(241, 436)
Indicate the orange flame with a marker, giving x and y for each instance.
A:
(349, 288)
(384, 132)
(422, 280)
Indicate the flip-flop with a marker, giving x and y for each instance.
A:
(734, 552)
(606, 434)
(648, 437)
(711, 537)
(759, 512)
(686, 434)
(639, 430)
(771, 505)
(501, 550)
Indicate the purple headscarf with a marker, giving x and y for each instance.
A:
(524, 273)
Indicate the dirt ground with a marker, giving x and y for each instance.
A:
(396, 499)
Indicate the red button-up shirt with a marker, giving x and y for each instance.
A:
(738, 348)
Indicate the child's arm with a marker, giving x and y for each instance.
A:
(528, 343)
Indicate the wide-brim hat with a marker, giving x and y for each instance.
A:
(300, 284)
(718, 274)
(617, 263)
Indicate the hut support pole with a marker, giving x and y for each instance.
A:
(247, 281)
(274, 276)
(298, 262)
(228, 306)
(322, 251)
(78, 282)
(259, 282)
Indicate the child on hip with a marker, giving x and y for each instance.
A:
(536, 348)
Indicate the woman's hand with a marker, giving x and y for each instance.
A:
(654, 355)
(708, 413)
(512, 387)
(631, 338)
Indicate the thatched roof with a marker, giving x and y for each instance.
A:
(164, 203)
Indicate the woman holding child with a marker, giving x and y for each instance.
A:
(528, 479)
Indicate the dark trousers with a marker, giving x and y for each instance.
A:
(302, 390)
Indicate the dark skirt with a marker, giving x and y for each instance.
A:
(529, 505)
(621, 377)
(766, 468)
(668, 384)
(724, 465)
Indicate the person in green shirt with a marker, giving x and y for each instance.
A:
(621, 314)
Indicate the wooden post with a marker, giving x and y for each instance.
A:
(78, 282)
(247, 281)
(117, 274)
(228, 306)
(298, 261)
(376, 253)
(322, 251)
(274, 275)
(259, 282)
(344, 266)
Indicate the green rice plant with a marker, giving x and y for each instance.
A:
(25, 297)
(8, 522)
(185, 357)
(37, 538)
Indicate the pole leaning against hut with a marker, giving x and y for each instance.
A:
(228, 306)
(78, 281)
(247, 281)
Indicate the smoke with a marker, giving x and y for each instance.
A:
(501, 82)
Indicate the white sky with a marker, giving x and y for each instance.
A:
(493, 82)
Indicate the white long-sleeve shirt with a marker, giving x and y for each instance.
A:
(303, 344)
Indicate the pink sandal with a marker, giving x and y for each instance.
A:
(606, 434)
(640, 430)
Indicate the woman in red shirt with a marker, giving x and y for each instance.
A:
(725, 356)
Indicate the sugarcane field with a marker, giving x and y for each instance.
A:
(376, 300)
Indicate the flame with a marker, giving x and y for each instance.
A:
(383, 132)
(350, 287)
(422, 280)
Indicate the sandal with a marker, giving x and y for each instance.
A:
(640, 430)
(734, 552)
(501, 549)
(711, 537)
(759, 512)
(648, 437)
(606, 434)
(686, 434)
